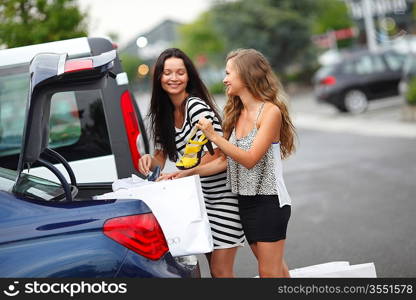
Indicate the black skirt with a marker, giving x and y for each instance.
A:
(262, 218)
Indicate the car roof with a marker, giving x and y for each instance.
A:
(77, 47)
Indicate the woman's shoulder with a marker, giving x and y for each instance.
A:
(270, 112)
(272, 108)
(194, 100)
(196, 105)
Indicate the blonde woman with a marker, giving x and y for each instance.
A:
(258, 133)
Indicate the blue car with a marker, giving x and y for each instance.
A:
(56, 228)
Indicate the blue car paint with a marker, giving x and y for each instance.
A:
(46, 239)
(166, 267)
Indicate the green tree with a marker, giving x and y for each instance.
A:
(26, 22)
(130, 63)
(200, 39)
(280, 29)
(332, 15)
(114, 36)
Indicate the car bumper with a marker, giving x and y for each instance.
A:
(326, 94)
(135, 265)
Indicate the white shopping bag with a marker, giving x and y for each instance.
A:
(179, 207)
(336, 269)
(130, 182)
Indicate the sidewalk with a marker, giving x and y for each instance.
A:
(383, 117)
(389, 128)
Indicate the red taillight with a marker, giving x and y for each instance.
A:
(132, 126)
(329, 80)
(78, 65)
(139, 233)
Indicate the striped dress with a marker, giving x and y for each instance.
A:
(221, 203)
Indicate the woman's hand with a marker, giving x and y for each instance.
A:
(175, 175)
(145, 163)
(167, 176)
(182, 173)
(206, 126)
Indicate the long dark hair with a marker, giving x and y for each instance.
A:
(161, 108)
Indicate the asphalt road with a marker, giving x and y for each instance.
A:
(353, 190)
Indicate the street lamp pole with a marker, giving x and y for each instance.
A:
(369, 25)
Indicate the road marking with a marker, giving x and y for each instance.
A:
(353, 125)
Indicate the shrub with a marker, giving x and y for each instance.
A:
(217, 88)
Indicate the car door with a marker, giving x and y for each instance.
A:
(384, 71)
(372, 69)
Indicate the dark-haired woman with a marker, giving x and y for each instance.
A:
(179, 100)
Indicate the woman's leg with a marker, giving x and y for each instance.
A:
(222, 262)
(285, 270)
(270, 259)
(286, 273)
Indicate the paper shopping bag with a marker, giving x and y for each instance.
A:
(336, 269)
(179, 207)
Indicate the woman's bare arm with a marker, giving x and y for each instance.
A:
(268, 132)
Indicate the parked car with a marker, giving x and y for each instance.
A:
(361, 77)
(56, 228)
(100, 132)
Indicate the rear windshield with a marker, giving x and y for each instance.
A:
(31, 187)
(77, 123)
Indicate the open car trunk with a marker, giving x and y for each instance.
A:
(50, 74)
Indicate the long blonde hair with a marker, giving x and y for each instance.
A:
(256, 73)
